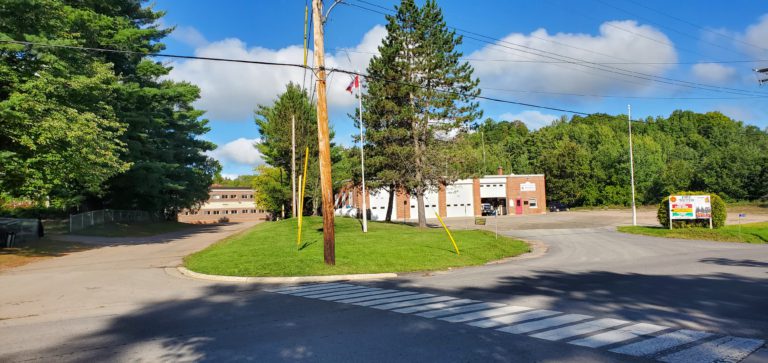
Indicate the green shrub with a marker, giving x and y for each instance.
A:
(719, 213)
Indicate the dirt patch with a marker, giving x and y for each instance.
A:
(32, 251)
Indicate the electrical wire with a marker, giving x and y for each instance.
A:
(293, 65)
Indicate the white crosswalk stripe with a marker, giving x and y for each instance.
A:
(366, 298)
(485, 314)
(579, 329)
(722, 350)
(392, 299)
(403, 304)
(680, 346)
(358, 294)
(618, 335)
(458, 310)
(440, 305)
(322, 294)
(661, 343)
(543, 324)
(512, 319)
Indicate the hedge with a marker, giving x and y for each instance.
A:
(719, 212)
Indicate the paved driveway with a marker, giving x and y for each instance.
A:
(124, 303)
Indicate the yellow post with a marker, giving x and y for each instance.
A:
(301, 196)
(449, 234)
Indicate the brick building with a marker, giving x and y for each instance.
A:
(508, 194)
(235, 204)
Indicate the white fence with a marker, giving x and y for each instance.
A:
(78, 222)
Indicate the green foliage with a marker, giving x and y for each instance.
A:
(719, 212)
(405, 119)
(239, 181)
(271, 191)
(101, 127)
(586, 159)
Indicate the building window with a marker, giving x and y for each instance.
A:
(245, 211)
(216, 197)
(215, 212)
(224, 196)
(233, 196)
(234, 211)
(532, 203)
(244, 196)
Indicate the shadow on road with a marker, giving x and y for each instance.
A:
(731, 262)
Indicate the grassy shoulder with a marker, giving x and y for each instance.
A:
(269, 249)
(749, 233)
(133, 229)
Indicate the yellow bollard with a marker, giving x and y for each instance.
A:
(301, 196)
(449, 234)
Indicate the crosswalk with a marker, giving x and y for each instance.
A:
(658, 342)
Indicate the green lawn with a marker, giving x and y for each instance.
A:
(269, 249)
(750, 232)
(134, 229)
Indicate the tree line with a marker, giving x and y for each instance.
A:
(96, 129)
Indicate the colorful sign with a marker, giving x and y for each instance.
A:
(690, 207)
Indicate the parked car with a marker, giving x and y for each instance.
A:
(558, 207)
(487, 210)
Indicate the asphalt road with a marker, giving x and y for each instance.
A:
(127, 303)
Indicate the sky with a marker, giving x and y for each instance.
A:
(588, 56)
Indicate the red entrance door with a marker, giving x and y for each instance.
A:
(519, 206)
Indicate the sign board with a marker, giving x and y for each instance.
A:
(527, 187)
(690, 207)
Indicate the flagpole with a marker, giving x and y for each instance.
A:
(362, 151)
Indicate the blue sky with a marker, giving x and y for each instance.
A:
(657, 56)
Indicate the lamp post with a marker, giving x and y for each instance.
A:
(631, 165)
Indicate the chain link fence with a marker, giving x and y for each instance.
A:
(78, 222)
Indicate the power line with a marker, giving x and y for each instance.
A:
(697, 26)
(617, 96)
(589, 64)
(293, 65)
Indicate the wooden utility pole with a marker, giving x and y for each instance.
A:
(323, 138)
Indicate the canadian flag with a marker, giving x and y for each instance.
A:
(354, 84)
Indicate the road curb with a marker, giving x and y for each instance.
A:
(284, 280)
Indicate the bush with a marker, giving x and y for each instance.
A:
(719, 212)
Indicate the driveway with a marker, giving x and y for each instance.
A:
(126, 303)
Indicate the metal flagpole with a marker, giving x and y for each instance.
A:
(362, 152)
(632, 166)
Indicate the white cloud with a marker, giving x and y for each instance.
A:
(713, 72)
(240, 151)
(231, 91)
(756, 35)
(614, 43)
(532, 119)
(189, 36)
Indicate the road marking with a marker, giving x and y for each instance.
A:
(359, 299)
(445, 304)
(403, 304)
(661, 342)
(485, 314)
(392, 299)
(318, 295)
(286, 290)
(513, 319)
(722, 350)
(618, 335)
(579, 329)
(334, 290)
(543, 324)
(458, 310)
(358, 294)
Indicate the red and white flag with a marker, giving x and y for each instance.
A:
(354, 84)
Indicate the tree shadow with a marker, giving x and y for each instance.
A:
(238, 323)
(731, 262)
(156, 239)
(307, 244)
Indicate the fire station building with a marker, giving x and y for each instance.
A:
(512, 194)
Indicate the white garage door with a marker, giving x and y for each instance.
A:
(458, 199)
(379, 200)
(430, 205)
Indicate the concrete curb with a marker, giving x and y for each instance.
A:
(284, 280)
